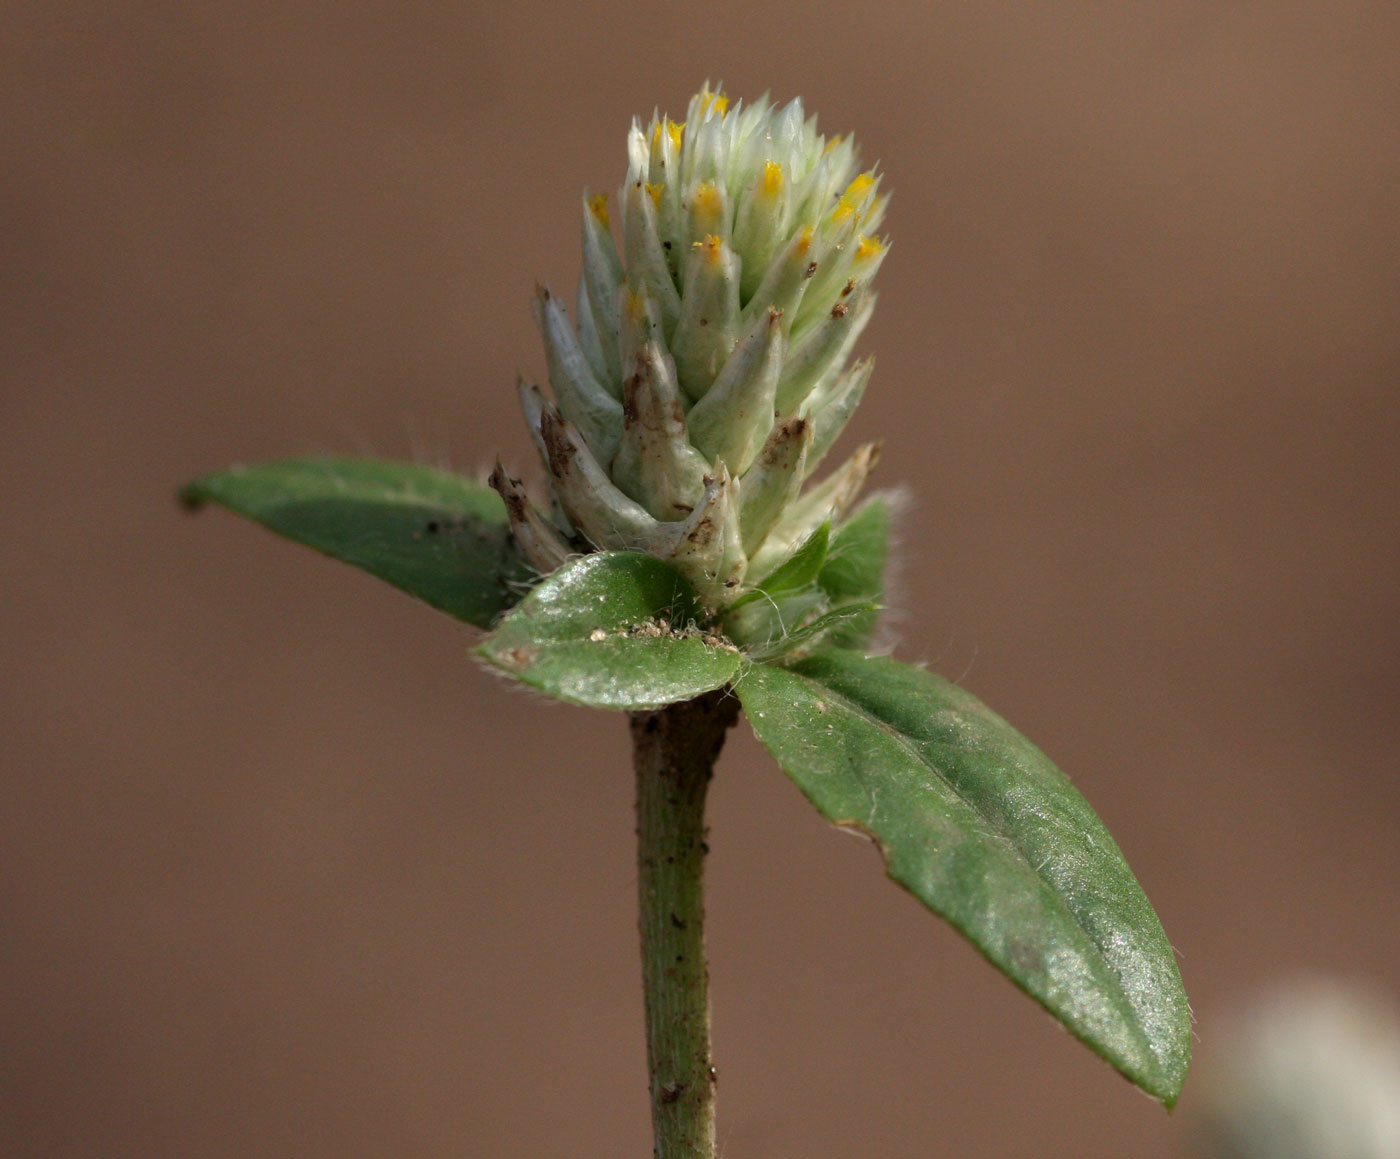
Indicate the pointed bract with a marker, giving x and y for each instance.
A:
(708, 549)
(828, 500)
(761, 223)
(532, 405)
(656, 463)
(774, 479)
(818, 352)
(830, 408)
(709, 319)
(580, 396)
(786, 279)
(608, 518)
(539, 541)
(736, 414)
(602, 274)
(588, 340)
(649, 266)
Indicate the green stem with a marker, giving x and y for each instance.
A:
(674, 752)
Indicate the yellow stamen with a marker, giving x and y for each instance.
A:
(857, 189)
(830, 145)
(598, 206)
(673, 129)
(716, 101)
(707, 203)
(804, 242)
(772, 183)
(713, 247)
(869, 247)
(655, 191)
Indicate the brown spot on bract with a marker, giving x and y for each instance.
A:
(557, 444)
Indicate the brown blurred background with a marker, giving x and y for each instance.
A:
(283, 873)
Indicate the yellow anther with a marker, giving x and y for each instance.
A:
(830, 145)
(857, 189)
(655, 191)
(633, 304)
(707, 201)
(804, 242)
(715, 101)
(869, 247)
(713, 247)
(772, 183)
(674, 129)
(598, 206)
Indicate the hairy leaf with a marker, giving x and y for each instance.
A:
(612, 630)
(798, 572)
(818, 630)
(432, 534)
(978, 824)
(854, 570)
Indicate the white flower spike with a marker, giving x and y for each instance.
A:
(707, 370)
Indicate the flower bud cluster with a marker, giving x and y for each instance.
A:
(707, 370)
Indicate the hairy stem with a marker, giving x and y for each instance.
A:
(674, 752)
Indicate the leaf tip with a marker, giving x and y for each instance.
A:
(1166, 1089)
(1164, 1075)
(516, 660)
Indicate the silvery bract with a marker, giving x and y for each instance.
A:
(706, 372)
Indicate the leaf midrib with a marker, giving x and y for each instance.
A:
(907, 745)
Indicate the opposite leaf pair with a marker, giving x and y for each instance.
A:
(970, 817)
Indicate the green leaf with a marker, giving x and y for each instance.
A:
(763, 624)
(823, 626)
(978, 824)
(789, 594)
(854, 570)
(612, 630)
(798, 571)
(431, 534)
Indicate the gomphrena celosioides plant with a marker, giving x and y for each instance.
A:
(693, 553)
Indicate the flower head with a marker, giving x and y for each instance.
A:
(1308, 1067)
(707, 371)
